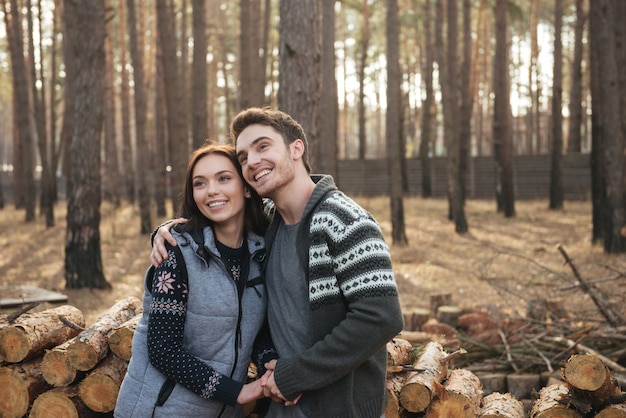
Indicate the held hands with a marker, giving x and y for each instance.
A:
(270, 389)
(250, 392)
(159, 252)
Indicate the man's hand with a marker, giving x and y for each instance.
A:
(269, 386)
(159, 252)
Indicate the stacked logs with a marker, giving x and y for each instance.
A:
(52, 366)
(422, 382)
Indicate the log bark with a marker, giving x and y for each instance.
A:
(92, 345)
(121, 338)
(613, 411)
(399, 352)
(31, 333)
(100, 388)
(21, 384)
(421, 387)
(501, 405)
(463, 396)
(549, 404)
(59, 402)
(56, 368)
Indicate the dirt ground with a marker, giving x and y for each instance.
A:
(503, 262)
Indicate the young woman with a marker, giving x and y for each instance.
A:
(199, 330)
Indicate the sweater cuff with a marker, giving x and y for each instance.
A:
(228, 390)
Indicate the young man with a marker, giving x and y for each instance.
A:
(333, 300)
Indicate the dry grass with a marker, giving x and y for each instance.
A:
(500, 261)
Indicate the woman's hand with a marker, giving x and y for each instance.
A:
(250, 392)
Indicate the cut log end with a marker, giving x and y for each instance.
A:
(53, 404)
(14, 399)
(14, 344)
(586, 372)
(56, 369)
(99, 392)
(82, 356)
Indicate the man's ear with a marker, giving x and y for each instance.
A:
(297, 149)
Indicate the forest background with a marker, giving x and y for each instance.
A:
(101, 103)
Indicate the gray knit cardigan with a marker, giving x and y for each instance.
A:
(354, 308)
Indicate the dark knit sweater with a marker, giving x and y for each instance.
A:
(354, 308)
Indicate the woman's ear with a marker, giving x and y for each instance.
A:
(246, 193)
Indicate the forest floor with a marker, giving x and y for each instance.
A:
(501, 261)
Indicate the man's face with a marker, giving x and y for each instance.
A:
(266, 161)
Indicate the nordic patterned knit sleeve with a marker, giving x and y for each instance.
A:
(166, 327)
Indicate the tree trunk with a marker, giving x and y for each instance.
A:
(452, 120)
(502, 136)
(177, 134)
(160, 137)
(299, 67)
(327, 161)
(393, 125)
(137, 52)
(574, 140)
(24, 158)
(251, 87)
(83, 260)
(556, 152)
(612, 134)
(110, 183)
(128, 159)
(598, 181)
(362, 63)
(426, 148)
(199, 74)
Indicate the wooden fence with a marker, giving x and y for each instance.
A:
(371, 178)
(531, 177)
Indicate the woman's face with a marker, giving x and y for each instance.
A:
(218, 190)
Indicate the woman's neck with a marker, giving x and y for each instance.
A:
(229, 236)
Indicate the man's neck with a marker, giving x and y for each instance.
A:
(291, 200)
